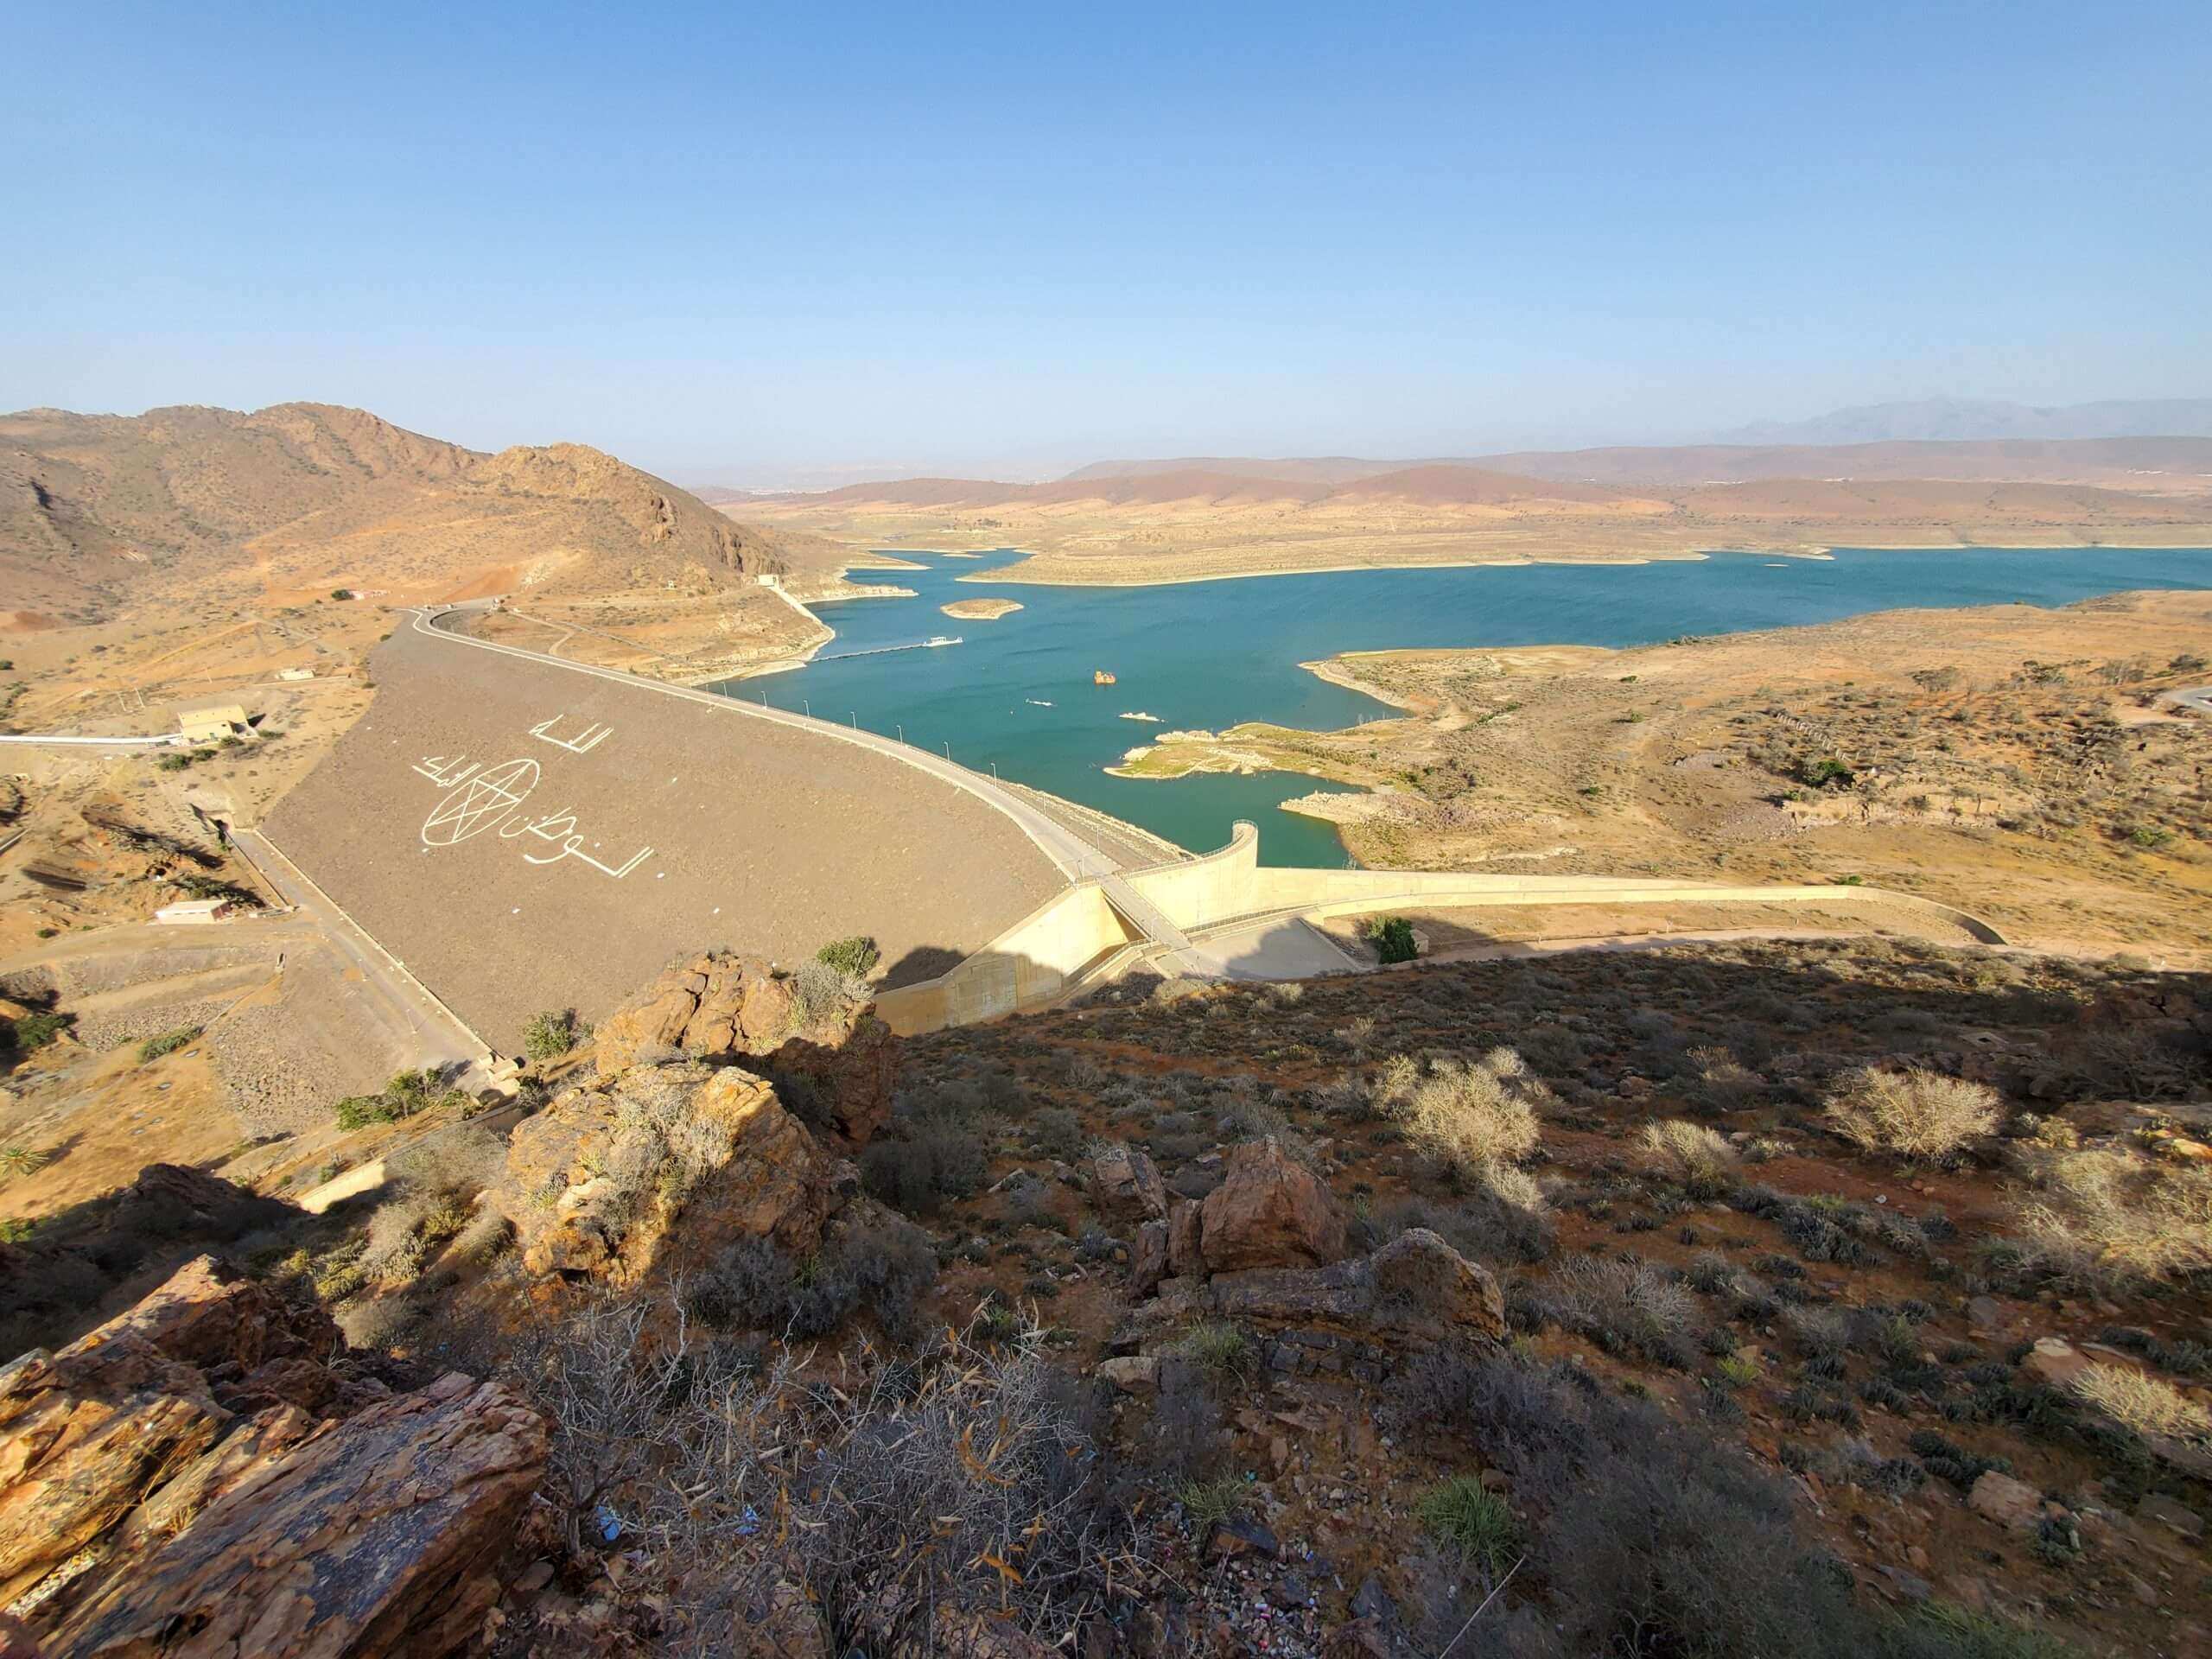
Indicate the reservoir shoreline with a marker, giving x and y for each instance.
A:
(1018, 693)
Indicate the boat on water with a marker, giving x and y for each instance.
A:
(1037, 702)
(1102, 676)
(942, 639)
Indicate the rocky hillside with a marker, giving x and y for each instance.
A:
(1836, 1299)
(97, 510)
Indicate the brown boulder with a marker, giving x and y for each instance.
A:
(850, 1081)
(378, 1535)
(1269, 1212)
(1415, 1289)
(2008, 1502)
(767, 1011)
(642, 1029)
(723, 1007)
(1149, 1258)
(598, 1183)
(1186, 1229)
(1125, 1184)
(699, 1004)
(88, 1433)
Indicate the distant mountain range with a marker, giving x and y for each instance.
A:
(1957, 419)
(2151, 465)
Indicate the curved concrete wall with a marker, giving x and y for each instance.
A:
(1025, 967)
(1079, 935)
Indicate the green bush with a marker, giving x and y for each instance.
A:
(856, 957)
(1474, 1521)
(1220, 1348)
(1393, 939)
(342, 592)
(168, 1043)
(32, 1031)
(407, 1093)
(553, 1034)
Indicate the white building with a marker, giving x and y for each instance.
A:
(191, 912)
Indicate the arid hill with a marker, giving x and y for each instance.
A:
(2181, 463)
(97, 511)
(1128, 522)
(2146, 466)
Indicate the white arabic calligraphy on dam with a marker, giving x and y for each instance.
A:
(479, 798)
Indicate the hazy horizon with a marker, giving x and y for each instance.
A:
(805, 246)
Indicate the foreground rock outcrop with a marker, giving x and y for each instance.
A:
(1415, 1291)
(377, 1535)
(721, 1007)
(1416, 1288)
(660, 1168)
(222, 1477)
(88, 1433)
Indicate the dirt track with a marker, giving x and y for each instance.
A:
(556, 870)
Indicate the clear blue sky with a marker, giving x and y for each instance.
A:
(757, 243)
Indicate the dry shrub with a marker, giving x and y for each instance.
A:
(2149, 1405)
(1514, 1188)
(1653, 1536)
(1697, 1158)
(1723, 1082)
(1916, 1113)
(1625, 1307)
(2116, 1216)
(1476, 1118)
(433, 1184)
(786, 1513)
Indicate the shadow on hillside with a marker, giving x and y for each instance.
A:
(922, 961)
(84, 1264)
(2043, 1030)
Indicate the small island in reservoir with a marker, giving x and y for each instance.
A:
(981, 610)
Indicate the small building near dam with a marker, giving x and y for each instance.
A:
(210, 722)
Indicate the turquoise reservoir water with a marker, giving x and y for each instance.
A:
(1018, 692)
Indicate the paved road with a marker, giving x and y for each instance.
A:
(417, 1021)
(2200, 699)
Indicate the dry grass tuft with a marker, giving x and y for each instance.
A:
(2150, 1405)
(1699, 1158)
(2115, 1215)
(1914, 1112)
(1476, 1118)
